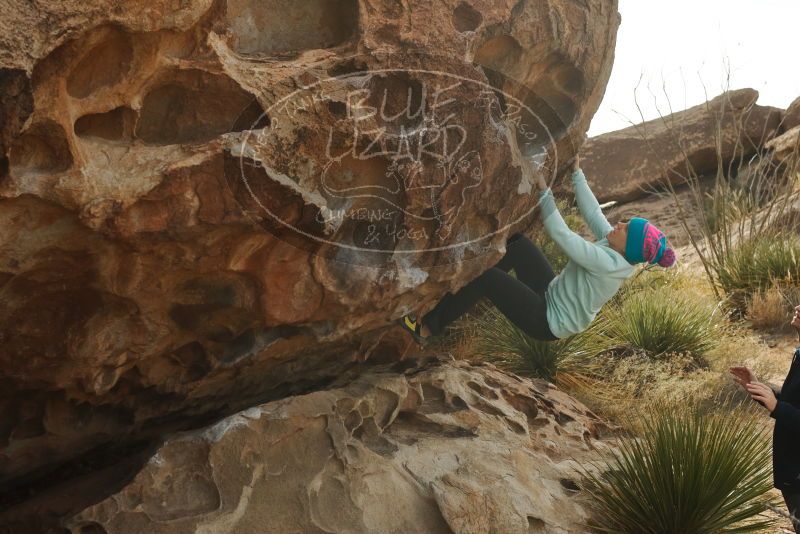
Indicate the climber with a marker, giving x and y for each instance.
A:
(543, 305)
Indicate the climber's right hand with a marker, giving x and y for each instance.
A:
(535, 173)
(541, 183)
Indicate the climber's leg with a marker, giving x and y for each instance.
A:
(530, 266)
(529, 263)
(452, 306)
(523, 306)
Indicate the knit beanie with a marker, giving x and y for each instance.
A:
(646, 243)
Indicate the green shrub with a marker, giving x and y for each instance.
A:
(688, 473)
(725, 205)
(663, 321)
(755, 264)
(563, 361)
(650, 278)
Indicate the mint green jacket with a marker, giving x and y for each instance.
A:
(595, 271)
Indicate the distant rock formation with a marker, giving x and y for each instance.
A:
(792, 116)
(627, 164)
(207, 205)
(785, 145)
(434, 447)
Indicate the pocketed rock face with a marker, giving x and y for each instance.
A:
(444, 447)
(629, 163)
(183, 186)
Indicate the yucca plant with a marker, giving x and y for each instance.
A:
(723, 206)
(650, 278)
(689, 473)
(567, 362)
(755, 264)
(663, 321)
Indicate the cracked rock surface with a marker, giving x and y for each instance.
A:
(440, 446)
(169, 188)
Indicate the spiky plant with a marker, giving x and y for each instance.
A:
(566, 362)
(756, 264)
(664, 321)
(689, 472)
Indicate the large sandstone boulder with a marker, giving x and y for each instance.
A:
(444, 447)
(629, 163)
(791, 117)
(785, 149)
(206, 205)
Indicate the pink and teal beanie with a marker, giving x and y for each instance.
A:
(646, 243)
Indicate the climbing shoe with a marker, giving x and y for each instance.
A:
(413, 327)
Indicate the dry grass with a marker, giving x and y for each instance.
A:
(791, 297)
(634, 379)
(767, 308)
(458, 339)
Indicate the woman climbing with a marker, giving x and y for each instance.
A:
(541, 304)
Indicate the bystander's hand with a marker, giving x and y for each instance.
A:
(743, 376)
(763, 395)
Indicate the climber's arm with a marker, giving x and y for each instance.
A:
(588, 206)
(586, 254)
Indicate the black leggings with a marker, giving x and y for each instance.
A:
(793, 505)
(521, 299)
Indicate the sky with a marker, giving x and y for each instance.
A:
(686, 44)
